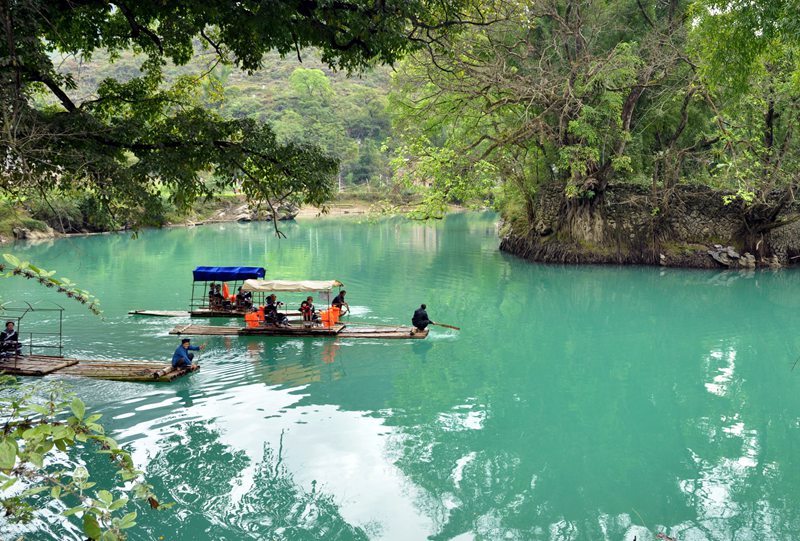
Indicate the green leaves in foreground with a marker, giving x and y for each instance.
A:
(45, 421)
(47, 279)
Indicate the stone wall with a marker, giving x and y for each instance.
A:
(628, 225)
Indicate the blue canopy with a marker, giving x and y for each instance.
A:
(223, 274)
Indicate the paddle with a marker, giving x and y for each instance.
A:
(446, 325)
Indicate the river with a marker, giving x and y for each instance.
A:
(576, 403)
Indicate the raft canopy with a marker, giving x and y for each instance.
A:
(225, 274)
(290, 285)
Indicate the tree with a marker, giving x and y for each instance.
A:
(135, 138)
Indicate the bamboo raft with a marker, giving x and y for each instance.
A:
(339, 330)
(42, 365)
(160, 313)
(200, 313)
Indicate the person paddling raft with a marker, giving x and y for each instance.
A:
(339, 302)
(182, 358)
(420, 319)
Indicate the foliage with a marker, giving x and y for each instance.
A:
(440, 176)
(585, 94)
(135, 137)
(43, 422)
(733, 38)
(47, 278)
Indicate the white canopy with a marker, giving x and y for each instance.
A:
(290, 285)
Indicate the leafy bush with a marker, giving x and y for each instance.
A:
(63, 214)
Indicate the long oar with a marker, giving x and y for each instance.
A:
(446, 325)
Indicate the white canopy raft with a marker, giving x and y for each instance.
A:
(290, 285)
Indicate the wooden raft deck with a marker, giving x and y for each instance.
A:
(42, 365)
(398, 332)
(340, 330)
(160, 313)
(198, 313)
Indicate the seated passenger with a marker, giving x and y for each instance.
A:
(271, 314)
(212, 296)
(224, 303)
(217, 300)
(9, 341)
(308, 310)
(244, 299)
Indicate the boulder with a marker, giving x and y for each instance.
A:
(747, 261)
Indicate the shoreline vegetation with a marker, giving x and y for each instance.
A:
(19, 224)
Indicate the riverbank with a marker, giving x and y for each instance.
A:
(695, 227)
(18, 224)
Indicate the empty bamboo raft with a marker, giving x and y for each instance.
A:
(160, 313)
(337, 330)
(42, 365)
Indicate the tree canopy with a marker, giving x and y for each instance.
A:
(136, 139)
(586, 94)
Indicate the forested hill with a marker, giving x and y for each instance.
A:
(303, 101)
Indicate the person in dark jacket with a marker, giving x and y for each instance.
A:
(420, 318)
(9, 340)
(339, 302)
(271, 314)
(182, 358)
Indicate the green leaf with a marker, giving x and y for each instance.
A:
(33, 491)
(119, 504)
(39, 409)
(91, 527)
(36, 459)
(13, 261)
(8, 453)
(78, 408)
(105, 497)
(8, 484)
(55, 493)
(73, 510)
(127, 521)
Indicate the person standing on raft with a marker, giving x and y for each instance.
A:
(420, 319)
(182, 358)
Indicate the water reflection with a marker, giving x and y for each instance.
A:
(576, 403)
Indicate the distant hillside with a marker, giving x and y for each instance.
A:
(302, 101)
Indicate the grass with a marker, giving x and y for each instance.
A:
(11, 218)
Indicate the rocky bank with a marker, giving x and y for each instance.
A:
(693, 227)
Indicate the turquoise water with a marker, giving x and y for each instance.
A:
(576, 403)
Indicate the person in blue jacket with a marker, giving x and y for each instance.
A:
(182, 358)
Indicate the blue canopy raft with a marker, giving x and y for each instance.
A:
(203, 305)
